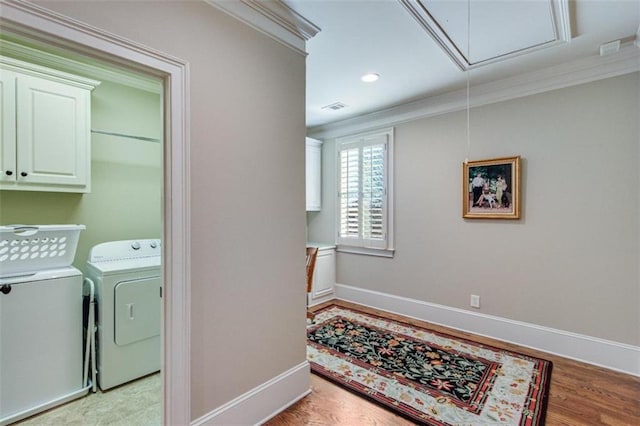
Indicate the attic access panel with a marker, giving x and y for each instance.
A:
(496, 30)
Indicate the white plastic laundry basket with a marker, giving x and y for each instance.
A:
(32, 248)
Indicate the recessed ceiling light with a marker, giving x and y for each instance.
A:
(370, 78)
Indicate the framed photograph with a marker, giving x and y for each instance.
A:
(491, 188)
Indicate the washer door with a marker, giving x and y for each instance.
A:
(137, 310)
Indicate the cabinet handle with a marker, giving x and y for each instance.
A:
(8, 172)
(5, 289)
(23, 174)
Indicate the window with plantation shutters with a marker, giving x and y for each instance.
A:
(364, 177)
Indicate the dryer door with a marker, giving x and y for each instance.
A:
(137, 310)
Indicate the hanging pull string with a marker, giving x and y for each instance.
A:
(466, 159)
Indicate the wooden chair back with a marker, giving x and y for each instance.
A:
(312, 254)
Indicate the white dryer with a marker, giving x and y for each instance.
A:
(128, 283)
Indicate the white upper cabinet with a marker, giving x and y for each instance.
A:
(46, 129)
(313, 174)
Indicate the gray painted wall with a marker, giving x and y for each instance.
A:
(570, 263)
(247, 178)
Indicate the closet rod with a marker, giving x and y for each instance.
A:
(122, 135)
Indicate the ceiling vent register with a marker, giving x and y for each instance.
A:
(335, 106)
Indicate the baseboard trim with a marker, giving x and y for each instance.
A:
(592, 350)
(264, 401)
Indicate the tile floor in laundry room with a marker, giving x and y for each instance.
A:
(137, 403)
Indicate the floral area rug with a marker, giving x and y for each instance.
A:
(428, 377)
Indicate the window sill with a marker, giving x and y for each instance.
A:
(365, 251)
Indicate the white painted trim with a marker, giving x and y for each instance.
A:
(361, 245)
(98, 71)
(342, 248)
(313, 142)
(604, 353)
(177, 235)
(313, 301)
(558, 10)
(50, 74)
(22, 17)
(322, 293)
(264, 401)
(283, 15)
(275, 19)
(580, 71)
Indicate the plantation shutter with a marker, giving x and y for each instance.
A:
(374, 205)
(363, 192)
(349, 194)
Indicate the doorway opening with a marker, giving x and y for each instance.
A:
(38, 27)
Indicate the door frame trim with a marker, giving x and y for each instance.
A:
(33, 21)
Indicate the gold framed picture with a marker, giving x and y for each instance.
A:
(491, 188)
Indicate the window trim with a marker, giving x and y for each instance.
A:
(367, 251)
(389, 248)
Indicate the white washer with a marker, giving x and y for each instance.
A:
(128, 285)
(40, 320)
(41, 341)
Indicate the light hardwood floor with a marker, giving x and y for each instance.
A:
(580, 394)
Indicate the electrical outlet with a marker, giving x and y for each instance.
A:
(475, 301)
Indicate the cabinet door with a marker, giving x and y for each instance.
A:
(324, 277)
(52, 133)
(8, 126)
(313, 167)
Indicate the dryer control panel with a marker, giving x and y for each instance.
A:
(125, 249)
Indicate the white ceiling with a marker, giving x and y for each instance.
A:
(382, 36)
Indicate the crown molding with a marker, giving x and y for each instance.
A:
(580, 71)
(273, 18)
(97, 71)
(55, 75)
